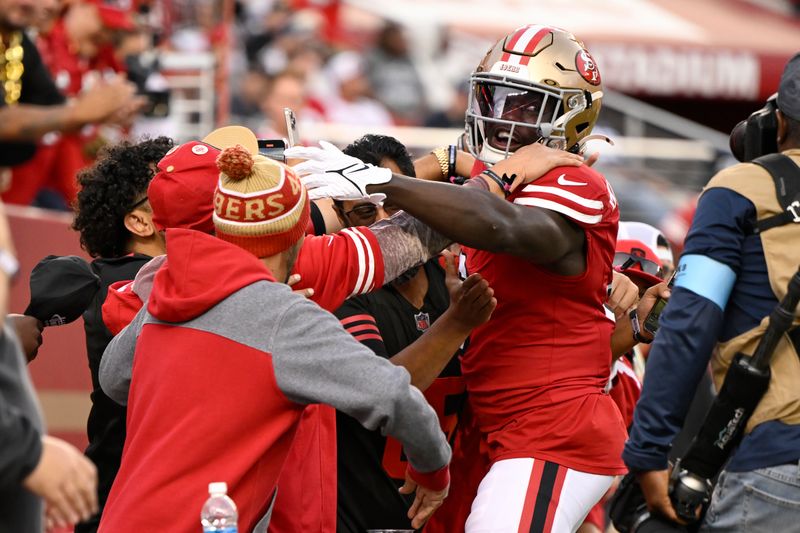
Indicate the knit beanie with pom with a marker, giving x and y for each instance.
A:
(260, 204)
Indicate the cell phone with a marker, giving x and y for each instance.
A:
(651, 321)
(291, 126)
(272, 148)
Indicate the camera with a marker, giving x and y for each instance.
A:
(689, 494)
(756, 135)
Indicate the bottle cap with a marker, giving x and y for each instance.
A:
(219, 487)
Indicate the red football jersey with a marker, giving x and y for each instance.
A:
(339, 266)
(536, 371)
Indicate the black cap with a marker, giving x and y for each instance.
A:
(61, 289)
(789, 89)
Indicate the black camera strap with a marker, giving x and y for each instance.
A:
(786, 176)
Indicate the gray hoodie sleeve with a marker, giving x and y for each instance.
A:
(143, 283)
(116, 365)
(317, 361)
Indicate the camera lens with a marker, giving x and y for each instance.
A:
(737, 140)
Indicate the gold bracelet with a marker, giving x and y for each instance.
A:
(443, 158)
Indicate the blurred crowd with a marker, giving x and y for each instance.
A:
(272, 55)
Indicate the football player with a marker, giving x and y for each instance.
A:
(540, 227)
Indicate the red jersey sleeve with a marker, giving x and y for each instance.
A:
(579, 193)
(120, 306)
(339, 266)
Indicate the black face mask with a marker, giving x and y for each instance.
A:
(406, 276)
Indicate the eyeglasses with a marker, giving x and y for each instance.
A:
(138, 203)
(367, 213)
(625, 261)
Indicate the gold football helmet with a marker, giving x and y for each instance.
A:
(537, 84)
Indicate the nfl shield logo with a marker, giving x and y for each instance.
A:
(423, 321)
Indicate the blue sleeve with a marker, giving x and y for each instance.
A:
(691, 324)
(722, 220)
(677, 360)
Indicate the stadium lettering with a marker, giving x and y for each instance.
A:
(665, 71)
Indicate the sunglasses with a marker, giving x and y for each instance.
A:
(625, 261)
(369, 211)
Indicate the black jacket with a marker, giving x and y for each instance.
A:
(106, 425)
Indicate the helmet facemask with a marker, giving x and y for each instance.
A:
(505, 114)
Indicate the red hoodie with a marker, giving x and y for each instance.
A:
(225, 362)
(336, 267)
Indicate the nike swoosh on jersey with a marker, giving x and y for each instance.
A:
(562, 180)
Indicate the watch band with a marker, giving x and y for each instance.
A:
(443, 159)
(452, 152)
(637, 331)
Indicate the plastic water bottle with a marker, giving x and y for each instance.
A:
(219, 513)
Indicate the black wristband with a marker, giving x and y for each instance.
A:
(505, 187)
(451, 161)
(637, 331)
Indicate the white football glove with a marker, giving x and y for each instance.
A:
(327, 172)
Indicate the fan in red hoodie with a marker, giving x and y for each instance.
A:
(359, 259)
(224, 358)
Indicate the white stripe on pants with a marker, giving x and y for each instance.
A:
(532, 495)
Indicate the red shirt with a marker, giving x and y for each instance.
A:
(536, 371)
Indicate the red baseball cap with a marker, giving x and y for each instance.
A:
(114, 17)
(181, 194)
(636, 260)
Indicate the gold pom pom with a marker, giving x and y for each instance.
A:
(235, 162)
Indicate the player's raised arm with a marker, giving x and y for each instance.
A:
(470, 215)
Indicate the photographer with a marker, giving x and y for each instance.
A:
(730, 277)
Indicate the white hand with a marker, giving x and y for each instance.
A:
(329, 173)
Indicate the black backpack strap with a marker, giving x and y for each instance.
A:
(794, 336)
(786, 177)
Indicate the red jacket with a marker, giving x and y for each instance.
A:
(220, 377)
(307, 497)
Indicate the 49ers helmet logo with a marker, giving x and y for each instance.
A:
(587, 67)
